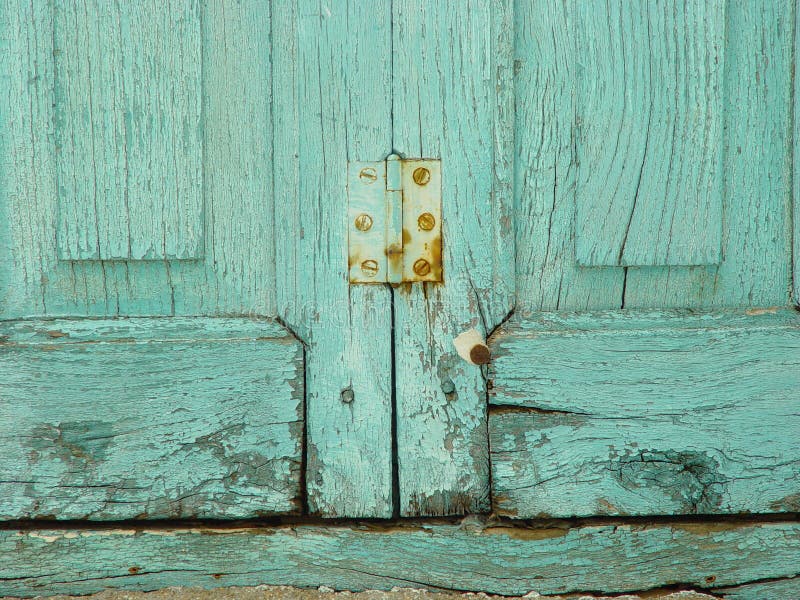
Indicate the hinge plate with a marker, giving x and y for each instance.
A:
(395, 220)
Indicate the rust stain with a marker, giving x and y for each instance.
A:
(704, 529)
(436, 258)
(54, 333)
(751, 312)
(529, 533)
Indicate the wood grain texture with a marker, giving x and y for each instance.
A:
(453, 100)
(796, 171)
(149, 418)
(755, 270)
(128, 92)
(332, 91)
(756, 244)
(548, 277)
(502, 560)
(648, 132)
(658, 413)
(781, 589)
(237, 274)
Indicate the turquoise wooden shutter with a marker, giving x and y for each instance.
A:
(190, 212)
(651, 363)
(142, 374)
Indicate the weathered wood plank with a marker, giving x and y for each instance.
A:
(796, 168)
(332, 104)
(453, 100)
(548, 277)
(756, 243)
(149, 418)
(649, 132)
(657, 413)
(756, 237)
(129, 152)
(502, 560)
(782, 589)
(237, 275)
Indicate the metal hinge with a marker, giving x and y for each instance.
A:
(395, 220)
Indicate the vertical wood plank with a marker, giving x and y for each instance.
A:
(128, 134)
(548, 277)
(795, 153)
(453, 101)
(239, 269)
(27, 179)
(649, 131)
(756, 270)
(332, 104)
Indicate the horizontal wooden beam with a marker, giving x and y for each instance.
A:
(149, 418)
(472, 555)
(635, 414)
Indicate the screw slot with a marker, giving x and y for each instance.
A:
(421, 176)
(422, 267)
(363, 222)
(369, 267)
(426, 221)
(368, 175)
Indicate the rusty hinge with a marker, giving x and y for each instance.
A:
(395, 220)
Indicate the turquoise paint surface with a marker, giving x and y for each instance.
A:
(188, 160)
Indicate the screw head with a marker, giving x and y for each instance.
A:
(363, 222)
(422, 267)
(421, 176)
(426, 221)
(369, 267)
(348, 396)
(368, 175)
(480, 354)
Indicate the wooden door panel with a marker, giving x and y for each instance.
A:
(221, 217)
(755, 269)
(149, 418)
(659, 413)
(620, 413)
(128, 134)
(649, 122)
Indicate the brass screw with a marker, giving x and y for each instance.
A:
(369, 267)
(368, 175)
(421, 176)
(422, 267)
(363, 222)
(426, 221)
